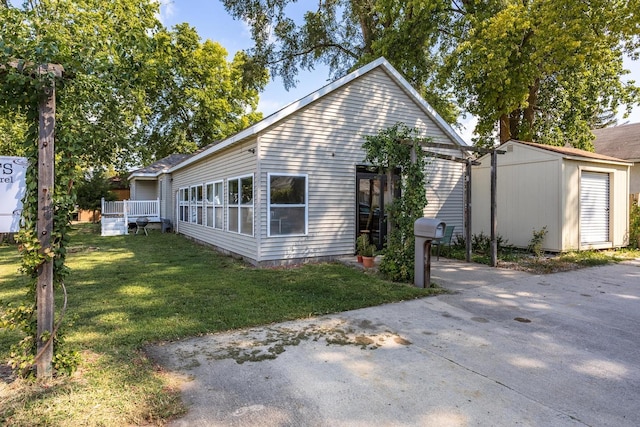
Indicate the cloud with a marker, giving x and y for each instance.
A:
(167, 10)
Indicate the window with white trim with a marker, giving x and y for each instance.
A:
(240, 205)
(214, 203)
(183, 203)
(195, 204)
(287, 205)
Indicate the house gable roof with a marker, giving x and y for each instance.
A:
(302, 103)
(161, 166)
(571, 153)
(622, 142)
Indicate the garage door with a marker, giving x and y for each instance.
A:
(594, 208)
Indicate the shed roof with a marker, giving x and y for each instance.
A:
(622, 141)
(572, 152)
(303, 102)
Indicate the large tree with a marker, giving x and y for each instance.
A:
(534, 69)
(194, 97)
(102, 47)
(344, 34)
(544, 70)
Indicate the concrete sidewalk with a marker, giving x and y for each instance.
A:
(508, 348)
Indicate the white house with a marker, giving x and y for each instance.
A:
(294, 186)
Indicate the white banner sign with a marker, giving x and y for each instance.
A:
(13, 172)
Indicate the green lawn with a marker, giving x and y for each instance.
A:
(127, 291)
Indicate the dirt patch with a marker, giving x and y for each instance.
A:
(6, 374)
(543, 265)
(258, 344)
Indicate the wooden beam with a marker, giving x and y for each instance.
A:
(494, 209)
(29, 68)
(468, 216)
(451, 158)
(44, 295)
(480, 150)
(45, 303)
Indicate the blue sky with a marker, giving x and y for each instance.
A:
(213, 22)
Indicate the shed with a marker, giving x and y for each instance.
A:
(294, 186)
(582, 198)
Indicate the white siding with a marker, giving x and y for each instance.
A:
(445, 193)
(634, 179)
(233, 162)
(164, 194)
(529, 182)
(325, 141)
(144, 190)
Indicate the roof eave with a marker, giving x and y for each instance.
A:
(145, 174)
(591, 159)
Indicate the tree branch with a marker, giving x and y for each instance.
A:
(312, 49)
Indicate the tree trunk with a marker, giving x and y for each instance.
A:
(505, 128)
(529, 112)
(364, 13)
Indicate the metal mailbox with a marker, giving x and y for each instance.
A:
(429, 228)
(425, 230)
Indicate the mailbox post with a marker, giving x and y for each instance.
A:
(425, 230)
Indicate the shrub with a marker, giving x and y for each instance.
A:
(634, 226)
(535, 244)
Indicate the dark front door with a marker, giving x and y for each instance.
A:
(372, 199)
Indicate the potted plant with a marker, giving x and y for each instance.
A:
(361, 244)
(369, 255)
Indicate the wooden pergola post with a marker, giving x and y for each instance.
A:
(45, 304)
(494, 208)
(467, 211)
(44, 293)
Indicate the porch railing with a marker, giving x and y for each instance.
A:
(132, 209)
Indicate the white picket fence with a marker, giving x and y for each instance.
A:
(116, 215)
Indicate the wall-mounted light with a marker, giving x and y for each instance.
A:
(252, 150)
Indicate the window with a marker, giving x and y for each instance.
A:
(287, 204)
(214, 203)
(195, 204)
(240, 205)
(218, 203)
(183, 204)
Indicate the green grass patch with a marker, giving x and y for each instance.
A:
(127, 291)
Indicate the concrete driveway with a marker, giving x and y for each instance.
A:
(507, 349)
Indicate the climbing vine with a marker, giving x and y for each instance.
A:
(103, 48)
(23, 316)
(391, 149)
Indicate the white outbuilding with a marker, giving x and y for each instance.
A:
(582, 198)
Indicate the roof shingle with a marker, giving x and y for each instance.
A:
(622, 142)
